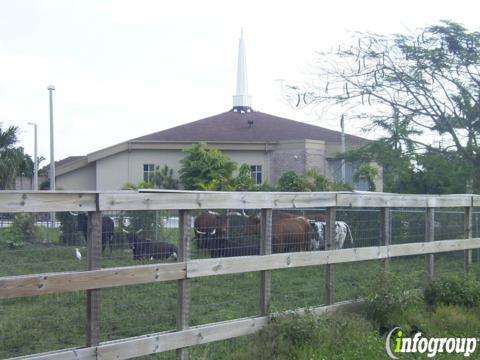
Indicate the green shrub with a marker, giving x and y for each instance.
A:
(291, 181)
(12, 237)
(284, 334)
(23, 229)
(387, 299)
(309, 336)
(454, 290)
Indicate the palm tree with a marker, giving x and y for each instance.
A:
(399, 132)
(12, 158)
(163, 178)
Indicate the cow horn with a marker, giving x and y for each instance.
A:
(200, 232)
(125, 231)
(73, 214)
(214, 231)
(139, 231)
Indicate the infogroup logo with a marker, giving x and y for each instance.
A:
(396, 343)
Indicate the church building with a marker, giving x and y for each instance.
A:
(269, 144)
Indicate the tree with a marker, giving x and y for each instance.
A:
(205, 168)
(367, 173)
(244, 181)
(291, 181)
(163, 178)
(316, 182)
(438, 173)
(13, 160)
(310, 181)
(398, 167)
(431, 79)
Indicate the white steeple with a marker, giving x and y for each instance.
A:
(242, 102)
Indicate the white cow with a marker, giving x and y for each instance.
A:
(341, 231)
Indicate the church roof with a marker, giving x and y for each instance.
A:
(251, 126)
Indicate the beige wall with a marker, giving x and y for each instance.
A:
(299, 156)
(112, 171)
(83, 178)
(115, 171)
(171, 158)
(252, 158)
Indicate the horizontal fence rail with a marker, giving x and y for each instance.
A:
(45, 201)
(186, 269)
(41, 284)
(165, 341)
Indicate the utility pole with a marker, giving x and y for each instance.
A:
(50, 89)
(35, 157)
(342, 124)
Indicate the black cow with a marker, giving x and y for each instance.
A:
(147, 249)
(212, 234)
(108, 228)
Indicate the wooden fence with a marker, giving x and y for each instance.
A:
(185, 269)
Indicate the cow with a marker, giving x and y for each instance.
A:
(108, 229)
(146, 249)
(289, 233)
(341, 231)
(292, 234)
(212, 234)
(210, 230)
(318, 224)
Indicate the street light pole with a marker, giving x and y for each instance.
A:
(35, 158)
(50, 89)
(342, 124)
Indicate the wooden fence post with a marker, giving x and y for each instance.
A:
(183, 295)
(468, 230)
(430, 236)
(330, 245)
(94, 255)
(265, 249)
(385, 240)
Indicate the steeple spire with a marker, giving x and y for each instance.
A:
(242, 102)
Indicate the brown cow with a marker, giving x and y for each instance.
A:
(278, 215)
(291, 234)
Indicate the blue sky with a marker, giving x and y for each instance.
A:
(123, 69)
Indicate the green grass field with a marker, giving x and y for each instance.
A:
(52, 322)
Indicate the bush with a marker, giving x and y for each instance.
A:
(387, 299)
(291, 181)
(461, 290)
(309, 336)
(23, 229)
(12, 238)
